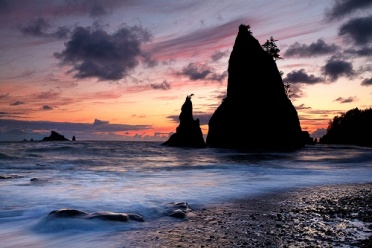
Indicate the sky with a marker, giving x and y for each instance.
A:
(121, 69)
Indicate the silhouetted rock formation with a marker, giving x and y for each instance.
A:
(354, 127)
(54, 136)
(73, 138)
(307, 139)
(256, 113)
(188, 133)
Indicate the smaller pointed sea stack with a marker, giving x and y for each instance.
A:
(188, 133)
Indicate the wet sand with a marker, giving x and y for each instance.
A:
(324, 216)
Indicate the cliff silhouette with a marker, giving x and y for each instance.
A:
(188, 133)
(256, 113)
(353, 127)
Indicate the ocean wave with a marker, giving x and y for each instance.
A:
(7, 157)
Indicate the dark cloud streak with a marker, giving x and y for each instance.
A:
(46, 107)
(16, 103)
(359, 30)
(219, 55)
(318, 48)
(362, 52)
(161, 86)
(40, 27)
(346, 100)
(300, 76)
(343, 8)
(36, 27)
(195, 71)
(367, 81)
(103, 126)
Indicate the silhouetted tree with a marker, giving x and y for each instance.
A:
(271, 48)
(286, 85)
(287, 89)
(249, 29)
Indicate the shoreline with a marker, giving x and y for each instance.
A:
(317, 216)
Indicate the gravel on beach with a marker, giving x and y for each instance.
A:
(322, 216)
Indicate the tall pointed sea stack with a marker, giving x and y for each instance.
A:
(188, 133)
(256, 113)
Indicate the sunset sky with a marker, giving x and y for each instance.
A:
(115, 69)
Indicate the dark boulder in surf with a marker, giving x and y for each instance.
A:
(256, 113)
(188, 133)
(178, 210)
(54, 136)
(109, 216)
(68, 213)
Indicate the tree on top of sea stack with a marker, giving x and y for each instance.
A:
(188, 133)
(256, 113)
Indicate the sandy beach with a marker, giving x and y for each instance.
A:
(323, 216)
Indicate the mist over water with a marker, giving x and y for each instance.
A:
(141, 177)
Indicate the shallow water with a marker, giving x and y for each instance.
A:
(142, 177)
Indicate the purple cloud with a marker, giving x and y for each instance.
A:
(367, 81)
(346, 100)
(94, 53)
(195, 71)
(300, 76)
(317, 48)
(40, 27)
(219, 55)
(359, 30)
(336, 68)
(46, 107)
(161, 86)
(343, 8)
(16, 103)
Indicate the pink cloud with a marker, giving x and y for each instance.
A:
(210, 39)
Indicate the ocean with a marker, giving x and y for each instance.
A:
(142, 177)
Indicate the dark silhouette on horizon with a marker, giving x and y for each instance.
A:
(54, 136)
(353, 128)
(256, 113)
(188, 133)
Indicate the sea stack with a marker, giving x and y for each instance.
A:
(188, 133)
(54, 136)
(256, 113)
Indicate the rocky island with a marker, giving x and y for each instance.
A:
(54, 136)
(256, 113)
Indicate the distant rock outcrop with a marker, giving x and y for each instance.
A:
(54, 136)
(188, 133)
(256, 113)
(354, 128)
